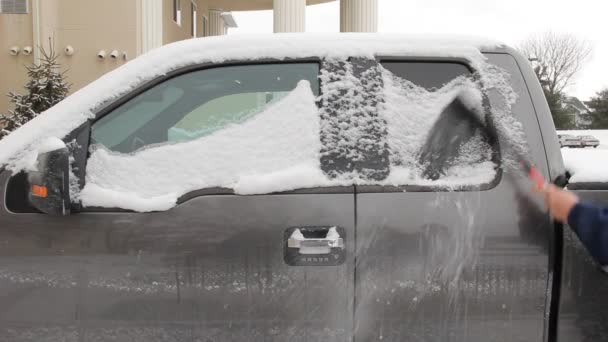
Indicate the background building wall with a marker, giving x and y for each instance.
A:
(173, 32)
(15, 30)
(89, 27)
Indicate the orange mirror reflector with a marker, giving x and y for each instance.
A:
(40, 191)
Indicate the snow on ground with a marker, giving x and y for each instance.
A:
(588, 164)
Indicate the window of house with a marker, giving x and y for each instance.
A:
(205, 26)
(194, 20)
(13, 6)
(177, 12)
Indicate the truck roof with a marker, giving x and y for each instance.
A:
(75, 110)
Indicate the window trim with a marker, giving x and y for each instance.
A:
(177, 12)
(205, 24)
(193, 19)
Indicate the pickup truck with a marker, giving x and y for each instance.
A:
(271, 188)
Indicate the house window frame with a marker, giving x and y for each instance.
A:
(194, 19)
(27, 8)
(205, 23)
(177, 12)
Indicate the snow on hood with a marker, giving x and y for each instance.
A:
(17, 149)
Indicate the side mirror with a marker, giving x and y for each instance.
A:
(49, 186)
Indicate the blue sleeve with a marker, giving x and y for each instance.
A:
(590, 223)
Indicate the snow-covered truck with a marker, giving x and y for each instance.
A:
(272, 188)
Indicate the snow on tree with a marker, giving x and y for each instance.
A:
(46, 86)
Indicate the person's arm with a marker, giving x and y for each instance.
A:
(590, 223)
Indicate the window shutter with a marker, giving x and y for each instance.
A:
(13, 6)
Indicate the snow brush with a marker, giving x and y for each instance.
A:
(454, 127)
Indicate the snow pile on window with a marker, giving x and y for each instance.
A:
(276, 150)
(17, 148)
(369, 131)
(411, 111)
(586, 165)
(352, 133)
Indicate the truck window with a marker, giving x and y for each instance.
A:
(198, 103)
(416, 98)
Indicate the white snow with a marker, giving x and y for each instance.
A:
(50, 144)
(81, 106)
(282, 141)
(588, 164)
(278, 149)
(410, 111)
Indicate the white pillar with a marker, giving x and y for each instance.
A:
(217, 27)
(151, 18)
(289, 16)
(36, 30)
(359, 15)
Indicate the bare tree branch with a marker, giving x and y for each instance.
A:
(560, 57)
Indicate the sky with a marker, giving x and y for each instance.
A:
(508, 21)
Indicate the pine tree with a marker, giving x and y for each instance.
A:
(563, 118)
(46, 86)
(599, 110)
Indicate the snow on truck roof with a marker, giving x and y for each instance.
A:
(17, 151)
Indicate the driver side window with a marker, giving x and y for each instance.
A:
(196, 104)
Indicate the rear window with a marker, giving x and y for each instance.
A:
(431, 133)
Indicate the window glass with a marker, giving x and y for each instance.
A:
(177, 12)
(199, 103)
(430, 75)
(432, 133)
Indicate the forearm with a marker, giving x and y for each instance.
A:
(590, 223)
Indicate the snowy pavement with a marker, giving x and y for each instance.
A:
(588, 164)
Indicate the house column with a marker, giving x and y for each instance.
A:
(359, 15)
(289, 16)
(217, 27)
(150, 18)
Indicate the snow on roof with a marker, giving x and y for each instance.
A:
(17, 149)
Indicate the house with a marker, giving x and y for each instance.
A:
(578, 110)
(93, 37)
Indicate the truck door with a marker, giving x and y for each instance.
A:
(434, 264)
(217, 266)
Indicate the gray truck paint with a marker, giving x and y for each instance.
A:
(212, 268)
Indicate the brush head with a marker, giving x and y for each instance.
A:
(459, 121)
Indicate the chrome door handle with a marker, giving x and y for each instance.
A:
(315, 245)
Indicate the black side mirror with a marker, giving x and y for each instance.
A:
(49, 186)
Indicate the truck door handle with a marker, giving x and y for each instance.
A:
(315, 245)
